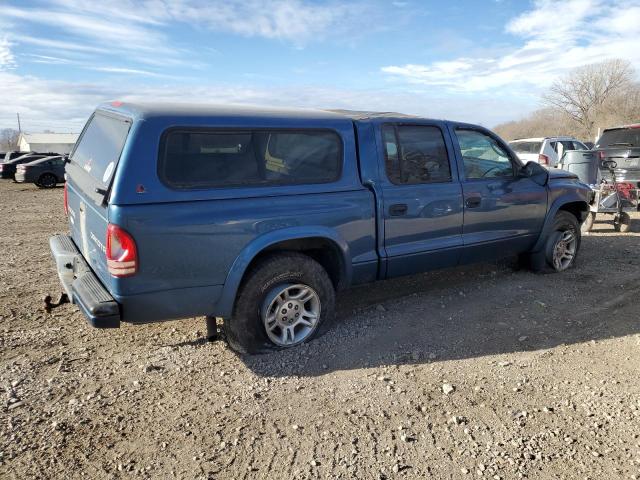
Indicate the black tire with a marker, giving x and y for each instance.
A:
(47, 180)
(542, 261)
(245, 331)
(587, 225)
(622, 223)
(563, 222)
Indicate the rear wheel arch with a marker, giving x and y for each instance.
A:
(331, 252)
(323, 250)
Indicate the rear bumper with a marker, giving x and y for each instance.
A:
(82, 286)
(23, 177)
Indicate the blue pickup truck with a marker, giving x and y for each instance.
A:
(261, 216)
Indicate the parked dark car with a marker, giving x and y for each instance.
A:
(622, 145)
(8, 167)
(261, 216)
(45, 172)
(11, 155)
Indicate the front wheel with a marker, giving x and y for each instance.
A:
(287, 299)
(563, 242)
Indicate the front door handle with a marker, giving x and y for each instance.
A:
(473, 202)
(398, 209)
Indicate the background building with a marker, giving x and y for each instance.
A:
(47, 142)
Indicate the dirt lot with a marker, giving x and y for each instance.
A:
(543, 373)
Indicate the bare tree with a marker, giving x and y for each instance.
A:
(600, 95)
(8, 139)
(584, 94)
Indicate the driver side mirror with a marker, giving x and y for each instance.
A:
(535, 172)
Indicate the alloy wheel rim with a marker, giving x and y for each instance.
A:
(564, 251)
(290, 314)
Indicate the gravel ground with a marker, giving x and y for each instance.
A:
(476, 372)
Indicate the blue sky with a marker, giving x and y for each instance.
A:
(478, 61)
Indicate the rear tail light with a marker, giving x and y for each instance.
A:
(543, 159)
(601, 155)
(66, 200)
(122, 255)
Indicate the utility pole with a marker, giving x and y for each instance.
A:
(19, 127)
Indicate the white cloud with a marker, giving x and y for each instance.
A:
(7, 59)
(556, 36)
(438, 73)
(65, 106)
(134, 33)
(297, 21)
(138, 25)
(100, 30)
(127, 71)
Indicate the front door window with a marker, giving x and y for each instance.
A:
(482, 156)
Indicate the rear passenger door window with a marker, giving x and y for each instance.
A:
(219, 158)
(415, 154)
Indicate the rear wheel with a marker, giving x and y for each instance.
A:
(287, 299)
(47, 180)
(622, 222)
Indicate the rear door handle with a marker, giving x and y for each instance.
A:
(398, 209)
(473, 202)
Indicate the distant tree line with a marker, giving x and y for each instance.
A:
(8, 139)
(589, 98)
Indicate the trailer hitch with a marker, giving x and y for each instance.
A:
(49, 305)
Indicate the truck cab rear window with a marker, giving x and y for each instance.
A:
(219, 158)
(99, 148)
(619, 137)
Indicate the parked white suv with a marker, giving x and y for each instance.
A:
(546, 151)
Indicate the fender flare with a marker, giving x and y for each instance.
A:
(571, 197)
(224, 306)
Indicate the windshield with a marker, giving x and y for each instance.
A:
(619, 137)
(100, 145)
(526, 147)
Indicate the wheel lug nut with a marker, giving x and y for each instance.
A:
(284, 310)
(284, 319)
(290, 305)
(296, 307)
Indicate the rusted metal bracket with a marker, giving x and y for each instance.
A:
(49, 305)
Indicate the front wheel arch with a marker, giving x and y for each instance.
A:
(568, 203)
